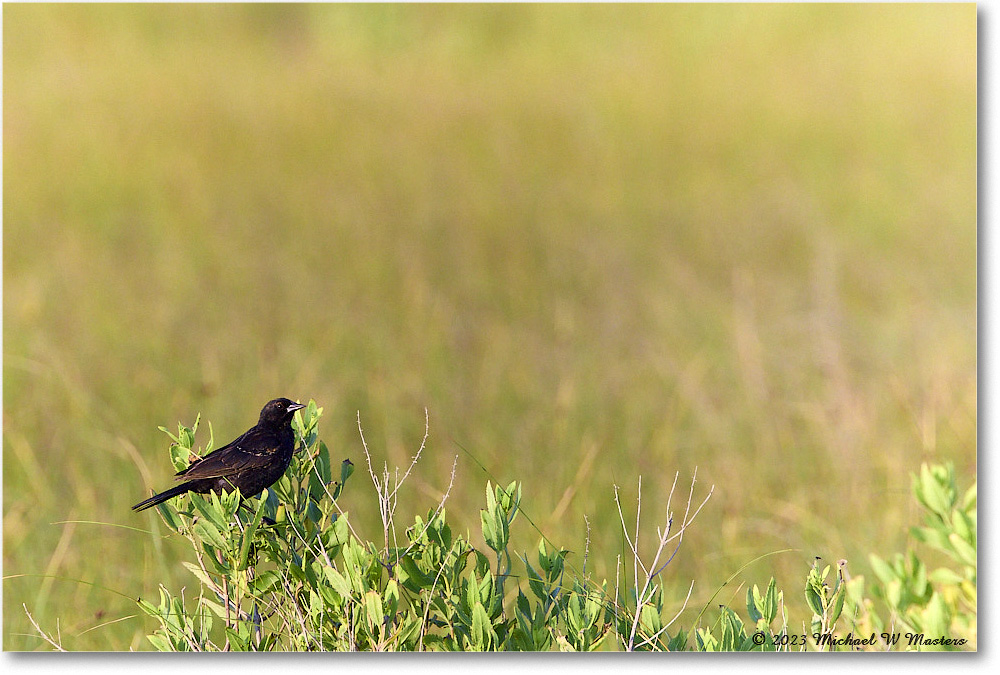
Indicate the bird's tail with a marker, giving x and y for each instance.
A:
(162, 497)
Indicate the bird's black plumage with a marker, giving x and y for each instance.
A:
(252, 462)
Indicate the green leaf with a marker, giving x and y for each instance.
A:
(323, 464)
(391, 597)
(216, 608)
(470, 591)
(918, 579)
(180, 457)
(330, 597)
(754, 603)
(483, 636)
(649, 620)
(523, 606)
(207, 531)
(966, 553)
(491, 501)
(882, 570)
(502, 533)
(167, 432)
(341, 531)
(963, 526)
(346, 469)
(236, 641)
(373, 610)
(814, 601)
(313, 514)
(770, 608)
(265, 581)
(706, 641)
(199, 573)
(574, 614)
(186, 435)
(169, 515)
(936, 489)
(209, 509)
(733, 633)
(416, 579)
(229, 501)
(838, 605)
(678, 643)
(936, 618)
(507, 499)
(945, 577)
(535, 582)
(489, 530)
(937, 537)
(148, 608)
(970, 500)
(894, 593)
(160, 643)
(338, 582)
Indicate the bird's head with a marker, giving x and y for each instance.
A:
(278, 411)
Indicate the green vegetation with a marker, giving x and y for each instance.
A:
(291, 575)
(593, 242)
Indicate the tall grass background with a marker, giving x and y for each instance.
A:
(593, 241)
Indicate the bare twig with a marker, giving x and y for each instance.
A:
(652, 638)
(52, 641)
(621, 517)
(638, 510)
(686, 521)
(664, 536)
(388, 497)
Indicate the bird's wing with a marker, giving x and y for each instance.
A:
(183, 473)
(254, 448)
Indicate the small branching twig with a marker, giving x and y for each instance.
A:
(55, 642)
(664, 537)
(388, 497)
(652, 638)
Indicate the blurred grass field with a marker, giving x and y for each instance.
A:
(593, 241)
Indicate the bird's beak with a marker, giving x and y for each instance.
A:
(295, 406)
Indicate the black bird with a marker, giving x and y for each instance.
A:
(252, 462)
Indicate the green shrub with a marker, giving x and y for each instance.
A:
(905, 608)
(286, 571)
